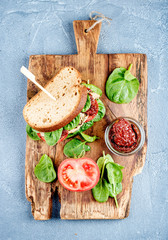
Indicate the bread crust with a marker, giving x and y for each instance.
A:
(68, 118)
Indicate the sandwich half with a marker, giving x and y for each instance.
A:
(76, 108)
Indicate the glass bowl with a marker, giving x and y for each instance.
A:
(138, 148)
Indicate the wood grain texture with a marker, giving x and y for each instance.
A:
(97, 68)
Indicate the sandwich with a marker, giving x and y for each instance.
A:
(76, 108)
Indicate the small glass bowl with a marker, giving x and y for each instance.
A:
(141, 143)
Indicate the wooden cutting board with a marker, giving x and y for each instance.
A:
(96, 68)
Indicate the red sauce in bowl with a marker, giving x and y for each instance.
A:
(124, 135)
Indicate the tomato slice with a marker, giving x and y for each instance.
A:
(40, 136)
(93, 110)
(78, 174)
(63, 136)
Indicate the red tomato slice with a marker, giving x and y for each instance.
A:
(40, 136)
(63, 136)
(93, 110)
(78, 174)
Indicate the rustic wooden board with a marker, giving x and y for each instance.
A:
(97, 68)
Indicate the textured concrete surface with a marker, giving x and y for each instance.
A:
(45, 27)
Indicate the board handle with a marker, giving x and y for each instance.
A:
(86, 42)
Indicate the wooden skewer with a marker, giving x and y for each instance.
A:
(31, 76)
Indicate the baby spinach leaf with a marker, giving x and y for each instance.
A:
(88, 138)
(118, 165)
(83, 128)
(104, 160)
(75, 147)
(111, 171)
(73, 134)
(32, 133)
(53, 137)
(114, 189)
(108, 159)
(73, 124)
(35, 130)
(86, 125)
(101, 111)
(100, 163)
(122, 86)
(127, 75)
(93, 88)
(87, 104)
(101, 191)
(44, 170)
(114, 173)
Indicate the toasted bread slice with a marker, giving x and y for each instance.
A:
(44, 114)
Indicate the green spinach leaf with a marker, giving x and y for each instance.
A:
(73, 134)
(87, 104)
(114, 189)
(44, 170)
(101, 191)
(32, 133)
(83, 128)
(93, 88)
(111, 171)
(73, 124)
(114, 173)
(88, 138)
(122, 86)
(118, 165)
(75, 148)
(104, 160)
(86, 125)
(53, 137)
(101, 111)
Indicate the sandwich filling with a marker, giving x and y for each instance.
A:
(83, 118)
